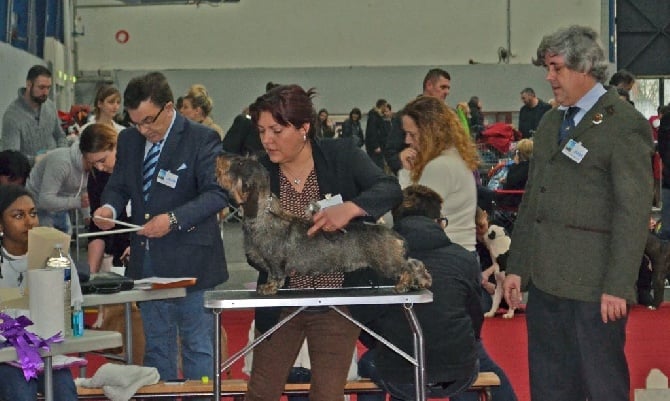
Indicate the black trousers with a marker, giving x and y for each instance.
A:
(572, 354)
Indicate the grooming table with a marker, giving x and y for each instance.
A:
(305, 298)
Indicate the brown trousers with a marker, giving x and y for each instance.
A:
(331, 341)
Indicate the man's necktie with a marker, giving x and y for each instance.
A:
(568, 123)
(149, 167)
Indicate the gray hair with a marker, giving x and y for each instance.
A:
(580, 48)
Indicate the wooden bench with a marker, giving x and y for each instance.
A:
(237, 388)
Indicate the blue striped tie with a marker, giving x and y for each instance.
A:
(568, 123)
(149, 167)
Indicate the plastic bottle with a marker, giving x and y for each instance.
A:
(60, 260)
(77, 320)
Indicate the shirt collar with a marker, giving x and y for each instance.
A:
(587, 101)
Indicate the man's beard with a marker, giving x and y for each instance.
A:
(38, 99)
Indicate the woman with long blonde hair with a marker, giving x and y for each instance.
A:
(441, 156)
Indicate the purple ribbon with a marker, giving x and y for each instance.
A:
(26, 343)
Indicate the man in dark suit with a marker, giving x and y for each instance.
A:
(582, 227)
(165, 168)
(375, 134)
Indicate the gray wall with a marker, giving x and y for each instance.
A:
(340, 89)
(352, 51)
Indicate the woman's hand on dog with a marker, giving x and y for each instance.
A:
(334, 218)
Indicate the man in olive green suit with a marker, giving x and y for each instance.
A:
(582, 227)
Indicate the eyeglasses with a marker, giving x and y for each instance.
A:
(149, 120)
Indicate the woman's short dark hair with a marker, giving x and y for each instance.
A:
(14, 165)
(356, 111)
(288, 104)
(10, 193)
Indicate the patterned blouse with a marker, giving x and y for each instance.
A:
(296, 203)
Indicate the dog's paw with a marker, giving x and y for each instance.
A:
(509, 314)
(489, 314)
(420, 276)
(404, 283)
(269, 288)
(413, 277)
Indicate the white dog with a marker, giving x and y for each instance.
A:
(497, 242)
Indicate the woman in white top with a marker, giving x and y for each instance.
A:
(17, 216)
(442, 157)
(106, 106)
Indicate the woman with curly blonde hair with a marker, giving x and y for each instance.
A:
(441, 156)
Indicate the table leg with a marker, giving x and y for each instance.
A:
(129, 332)
(239, 354)
(419, 353)
(419, 359)
(48, 379)
(216, 395)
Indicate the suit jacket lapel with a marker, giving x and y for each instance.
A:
(172, 142)
(595, 116)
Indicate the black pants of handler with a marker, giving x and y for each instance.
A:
(572, 354)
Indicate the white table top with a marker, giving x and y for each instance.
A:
(242, 299)
(91, 340)
(133, 296)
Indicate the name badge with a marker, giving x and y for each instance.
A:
(167, 178)
(330, 201)
(575, 151)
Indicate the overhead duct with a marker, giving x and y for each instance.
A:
(174, 2)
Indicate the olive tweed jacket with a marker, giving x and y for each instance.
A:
(582, 227)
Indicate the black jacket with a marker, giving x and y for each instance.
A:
(342, 168)
(353, 129)
(664, 148)
(451, 324)
(375, 133)
(242, 137)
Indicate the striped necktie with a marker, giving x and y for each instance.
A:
(568, 123)
(149, 167)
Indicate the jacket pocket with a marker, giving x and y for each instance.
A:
(588, 229)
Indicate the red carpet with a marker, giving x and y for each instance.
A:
(648, 345)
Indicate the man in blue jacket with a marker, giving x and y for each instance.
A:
(165, 168)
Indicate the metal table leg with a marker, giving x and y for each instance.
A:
(48, 379)
(419, 359)
(419, 353)
(129, 332)
(216, 395)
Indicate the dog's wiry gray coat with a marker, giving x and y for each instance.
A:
(277, 242)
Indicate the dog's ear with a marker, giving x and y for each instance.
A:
(492, 234)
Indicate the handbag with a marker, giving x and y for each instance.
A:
(107, 283)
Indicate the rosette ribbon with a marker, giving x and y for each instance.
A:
(26, 343)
